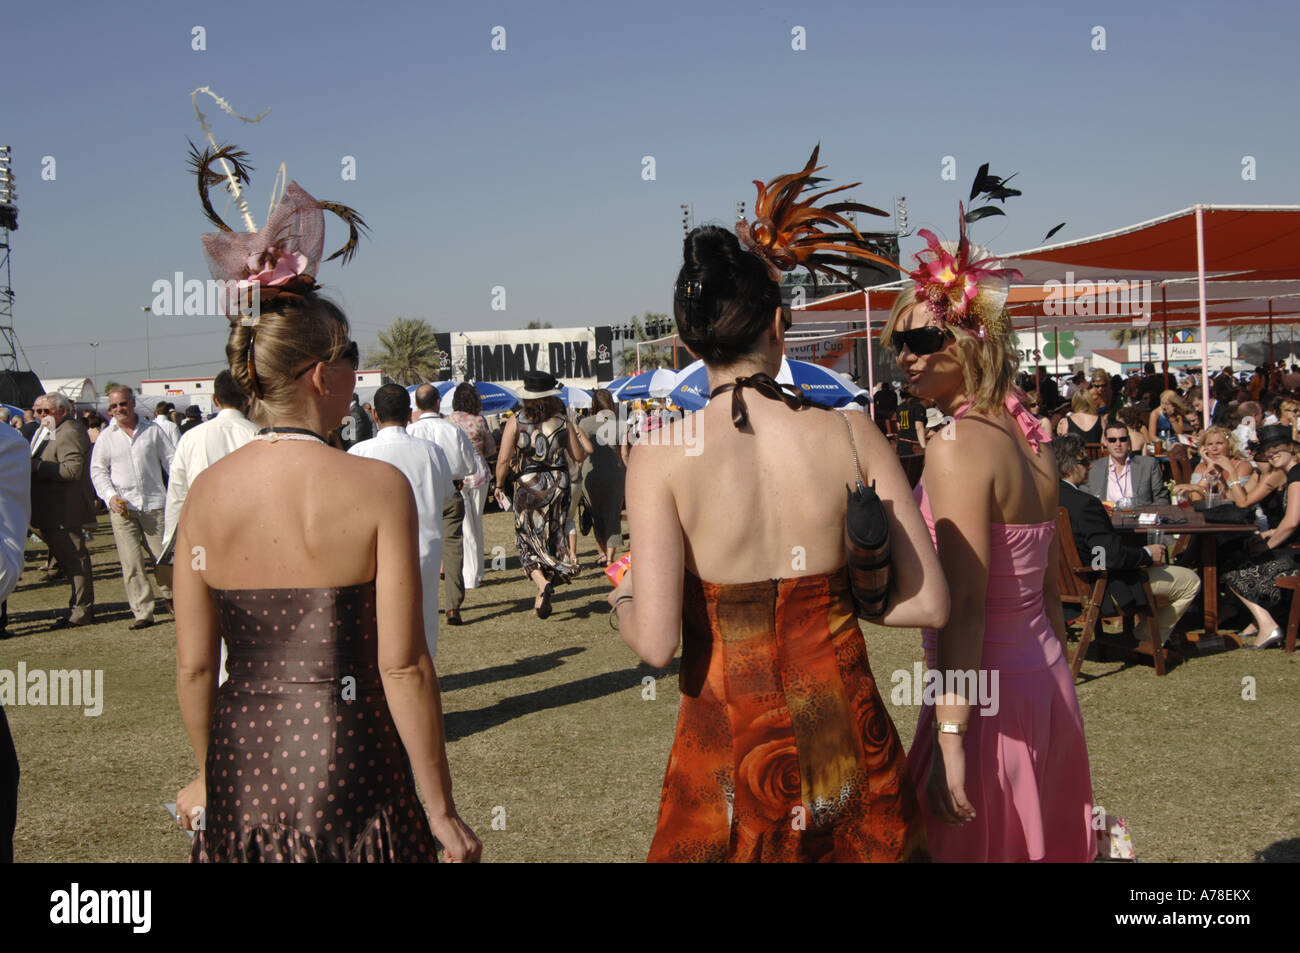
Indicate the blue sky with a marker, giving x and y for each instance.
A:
(522, 168)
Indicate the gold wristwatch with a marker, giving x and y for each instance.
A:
(950, 728)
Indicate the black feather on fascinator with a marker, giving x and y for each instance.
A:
(284, 256)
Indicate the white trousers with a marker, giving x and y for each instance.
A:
(429, 578)
(472, 538)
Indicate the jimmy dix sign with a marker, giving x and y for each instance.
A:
(580, 357)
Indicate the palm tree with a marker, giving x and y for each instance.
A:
(648, 327)
(408, 352)
(1129, 334)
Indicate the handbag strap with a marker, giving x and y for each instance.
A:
(857, 467)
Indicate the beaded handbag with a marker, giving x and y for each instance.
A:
(866, 541)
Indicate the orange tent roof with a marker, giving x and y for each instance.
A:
(1252, 257)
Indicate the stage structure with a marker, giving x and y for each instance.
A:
(9, 347)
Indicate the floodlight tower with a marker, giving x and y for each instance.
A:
(9, 348)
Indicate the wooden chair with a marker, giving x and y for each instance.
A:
(1093, 450)
(1293, 620)
(1086, 587)
(1180, 463)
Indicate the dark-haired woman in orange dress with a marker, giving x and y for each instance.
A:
(784, 750)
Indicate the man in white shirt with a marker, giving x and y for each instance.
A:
(426, 469)
(198, 449)
(15, 514)
(204, 445)
(127, 468)
(460, 454)
(160, 412)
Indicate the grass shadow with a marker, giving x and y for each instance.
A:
(532, 665)
(1280, 852)
(461, 724)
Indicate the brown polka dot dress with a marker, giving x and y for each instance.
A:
(304, 762)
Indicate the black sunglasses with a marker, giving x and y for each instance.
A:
(350, 353)
(920, 341)
(1117, 439)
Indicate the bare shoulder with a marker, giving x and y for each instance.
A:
(869, 439)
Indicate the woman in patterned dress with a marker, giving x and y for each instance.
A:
(304, 560)
(540, 443)
(784, 750)
(1250, 576)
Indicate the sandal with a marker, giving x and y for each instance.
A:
(544, 610)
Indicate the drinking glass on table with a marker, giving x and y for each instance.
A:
(1157, 537)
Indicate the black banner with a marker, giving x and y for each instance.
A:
(604, 354)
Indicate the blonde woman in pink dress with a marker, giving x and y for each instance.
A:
(1001, 764)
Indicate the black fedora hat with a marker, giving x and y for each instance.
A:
(540, 384)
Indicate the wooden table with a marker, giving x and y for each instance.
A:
(1195, 526)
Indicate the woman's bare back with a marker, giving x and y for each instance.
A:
(1025, 485)
(767, 502)
(285, 515)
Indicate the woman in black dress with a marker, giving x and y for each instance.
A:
(1084, 418)
(1251, 578)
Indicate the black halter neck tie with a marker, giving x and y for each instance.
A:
(765, 385)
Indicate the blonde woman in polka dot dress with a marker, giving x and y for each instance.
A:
(304, 559)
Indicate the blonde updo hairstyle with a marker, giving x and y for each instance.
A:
(291, 333)
(989, 366)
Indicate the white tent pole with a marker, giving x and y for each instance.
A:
(1205, 331)
(871, 363)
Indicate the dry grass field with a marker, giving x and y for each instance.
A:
(553, 730)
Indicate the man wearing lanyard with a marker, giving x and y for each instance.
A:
(1126, 477)
(127, 468)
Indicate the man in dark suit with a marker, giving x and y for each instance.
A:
(1048, 394)
(1120, 475)
(1223, 392)
(1153, 384)
(1101, 547)
(63, 501)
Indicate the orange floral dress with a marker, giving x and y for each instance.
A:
(784, 750)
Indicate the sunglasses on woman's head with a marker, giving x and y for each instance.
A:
(920, 341)
(350, 353)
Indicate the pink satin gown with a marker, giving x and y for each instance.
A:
(1026, 759)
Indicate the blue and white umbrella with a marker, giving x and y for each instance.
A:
(575, 398)
(691, 388)
(819, 384)
(496, 398)
(656, 383)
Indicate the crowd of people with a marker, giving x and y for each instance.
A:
(307, 591)
(1145, 440)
